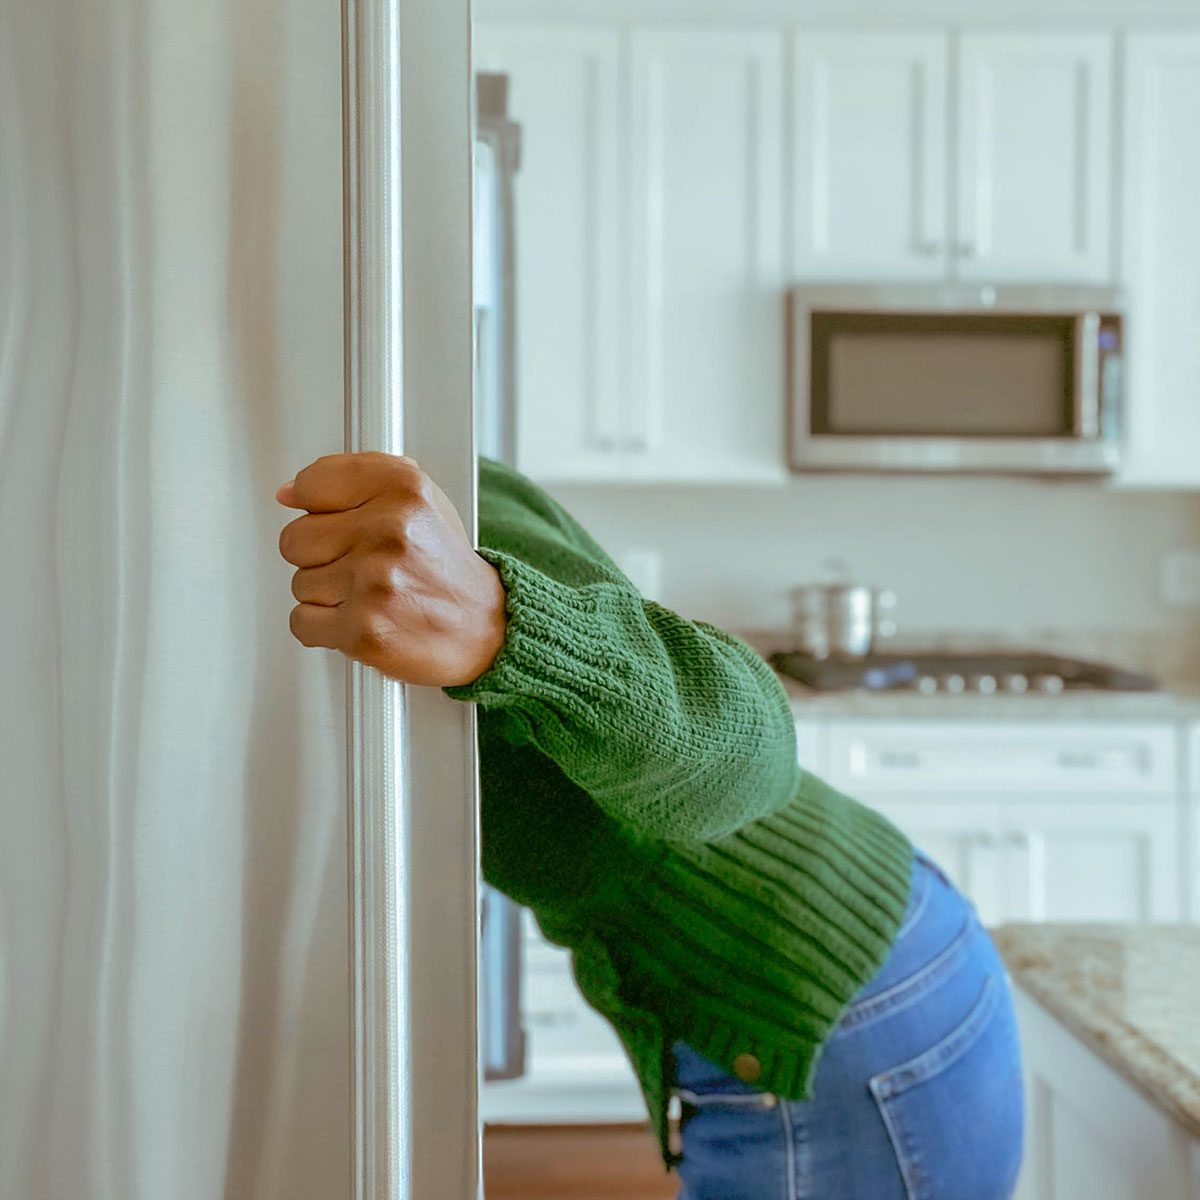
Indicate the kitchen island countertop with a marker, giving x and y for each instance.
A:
(1130, 993)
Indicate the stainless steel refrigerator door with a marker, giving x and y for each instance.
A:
(175, 954)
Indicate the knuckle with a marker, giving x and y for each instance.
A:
(376, 575)
(370, 633)
(406, 477)
(325, 461)
(423, 489)
(394, 529)
(307, 476)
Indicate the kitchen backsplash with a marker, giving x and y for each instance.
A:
(1071, 567)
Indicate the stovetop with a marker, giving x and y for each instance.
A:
(985, 672)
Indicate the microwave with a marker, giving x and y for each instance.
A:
(893, 377)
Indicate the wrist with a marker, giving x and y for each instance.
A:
(492, 623)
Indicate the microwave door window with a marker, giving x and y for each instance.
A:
(942, 376)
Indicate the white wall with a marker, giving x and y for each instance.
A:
(1066, 563)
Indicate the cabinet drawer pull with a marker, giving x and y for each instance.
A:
(906, 759)
(1078, 760)
(551, 1016)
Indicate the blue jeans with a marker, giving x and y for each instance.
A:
(917, 1094)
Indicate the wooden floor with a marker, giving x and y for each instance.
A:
(574, 1162)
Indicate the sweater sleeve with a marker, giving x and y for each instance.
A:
(672, 727)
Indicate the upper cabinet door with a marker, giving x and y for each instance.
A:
(1035, 157)
(564, 93)
(869, 155)
(1162, 258)
(706, 254)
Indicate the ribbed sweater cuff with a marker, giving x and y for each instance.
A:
(550, 645)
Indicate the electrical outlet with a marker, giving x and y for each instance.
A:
(644, 568)
(1181, 579)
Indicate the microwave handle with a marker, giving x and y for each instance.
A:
(1087, 375)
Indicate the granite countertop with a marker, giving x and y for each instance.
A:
(1130, 993)
(1069, 705)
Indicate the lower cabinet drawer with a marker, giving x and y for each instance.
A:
(926, 757)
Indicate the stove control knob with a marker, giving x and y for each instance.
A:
(1050, 685)
(954, 684)
(984, 684)
(1017, 684)
(927, 685)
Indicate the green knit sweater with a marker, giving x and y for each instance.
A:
(641, 794)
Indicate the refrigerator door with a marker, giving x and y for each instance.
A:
(183, 1010)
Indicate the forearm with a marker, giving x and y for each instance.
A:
(671, 726)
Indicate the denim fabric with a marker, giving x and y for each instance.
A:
(917, 1094)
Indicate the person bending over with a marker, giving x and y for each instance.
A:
(826, 1005)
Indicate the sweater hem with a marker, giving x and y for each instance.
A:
(788, 1063)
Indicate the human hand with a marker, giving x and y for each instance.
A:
(387, 574)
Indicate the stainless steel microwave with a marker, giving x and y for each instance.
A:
(894, 377)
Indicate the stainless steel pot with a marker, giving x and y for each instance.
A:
(841, 620)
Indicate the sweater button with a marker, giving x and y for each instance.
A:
(747, 1068)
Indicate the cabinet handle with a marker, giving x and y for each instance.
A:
(966, 249)
(549, 1017)
(899, 758)
(930, 249)
(1083, 760)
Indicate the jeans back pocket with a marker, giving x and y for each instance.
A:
(955, 1112)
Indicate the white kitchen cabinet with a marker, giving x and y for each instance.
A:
(810, 746)
(1034, 821)
(1161, 258)
(1089, 1133)
(565, 86)
(1063, 860)
(963, 839)
(869, 155)
(705, 327)
(576, 1068)
(1034, 157)
(649, 248)
(1051, 858)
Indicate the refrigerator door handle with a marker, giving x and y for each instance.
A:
(414, 862)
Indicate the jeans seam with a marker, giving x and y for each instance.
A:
(907, 991)
(943, 1054)
(897, 1135)
(922, 1068)
(918, 909)
(789, 1150)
